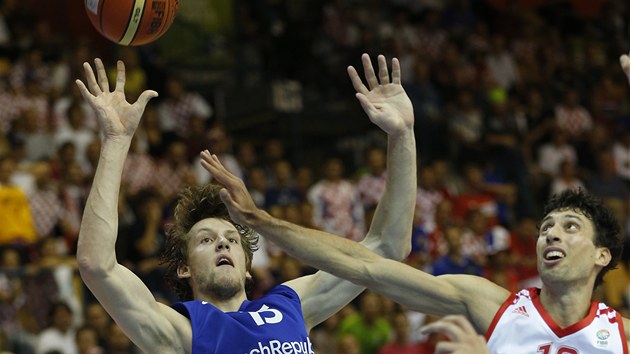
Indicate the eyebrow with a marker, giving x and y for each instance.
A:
(568, 216)
(213, 232)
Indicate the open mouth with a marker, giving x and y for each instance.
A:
(553, 255)
(224, 261)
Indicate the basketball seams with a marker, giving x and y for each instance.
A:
(132, 26)
(100, 15)
(166, 20)
(144, 5)
(166, 17)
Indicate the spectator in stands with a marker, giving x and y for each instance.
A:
(97, 318)
(139, 170)
(336, 205)
(180, 105)
(609, 186)
(566, 179)
(467, 128)
(371, 184)
(60, 335)
(455, 261)
(572, 117)
(118, 342)
(401, 343)
(552, 154)
(15, 215)
(173, 171)
(501, 63)
(367, 325)
(76, 132)
(283, 192)
(87, 341)
(427, 198)
(44, 202)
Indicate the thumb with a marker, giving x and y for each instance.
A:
(226, 198)
(368, 107)
(145, 97)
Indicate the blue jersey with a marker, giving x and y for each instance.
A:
(272, 324)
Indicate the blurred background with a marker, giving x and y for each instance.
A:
(514, 101)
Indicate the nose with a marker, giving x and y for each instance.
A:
(551, 236)
(223, 244)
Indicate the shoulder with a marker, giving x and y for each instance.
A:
(282, 290)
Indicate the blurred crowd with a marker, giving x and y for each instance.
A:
(514, 101)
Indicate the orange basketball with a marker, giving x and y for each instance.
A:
(131, 22)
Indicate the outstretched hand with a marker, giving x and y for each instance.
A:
(384, 101)
(625, 65)
(235, 195)
(464, 338)
(117, 117)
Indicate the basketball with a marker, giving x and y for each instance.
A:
(131, 22)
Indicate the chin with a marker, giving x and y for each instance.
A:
(225, 289)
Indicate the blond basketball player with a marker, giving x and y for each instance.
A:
(211, 256)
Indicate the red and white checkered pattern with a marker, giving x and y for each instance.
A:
(170, 181)
(575, 121)
(138, 172)
(47, 211)
(371, 188)
(337, 209)
(175, 114)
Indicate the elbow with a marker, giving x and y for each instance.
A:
(405, 251)
(89, 268)
(401, 253)
(86, 266)
(398, 252)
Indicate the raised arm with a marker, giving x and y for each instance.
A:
(150, 325)
(387, 105)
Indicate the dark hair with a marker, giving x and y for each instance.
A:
(195, 204)
(56, 306)
(607, 231)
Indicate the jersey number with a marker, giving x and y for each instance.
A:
(271, 315)
(546, 349)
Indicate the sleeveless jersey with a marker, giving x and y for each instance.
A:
(271, 324)
(523, 326)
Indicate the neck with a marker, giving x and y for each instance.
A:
(231, 304)
(567, 304)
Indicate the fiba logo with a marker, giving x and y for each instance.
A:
(602, 337)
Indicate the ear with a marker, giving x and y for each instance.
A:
(183, 272)
(603, 256)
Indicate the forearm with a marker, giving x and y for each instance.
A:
(322, 250)
(391, 226)
(99, 227)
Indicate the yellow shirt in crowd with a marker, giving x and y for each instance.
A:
(16, 221)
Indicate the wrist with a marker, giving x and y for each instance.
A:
(257, 218)
(404, 132)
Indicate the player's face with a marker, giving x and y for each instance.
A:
(216, 259)
(566, 249)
